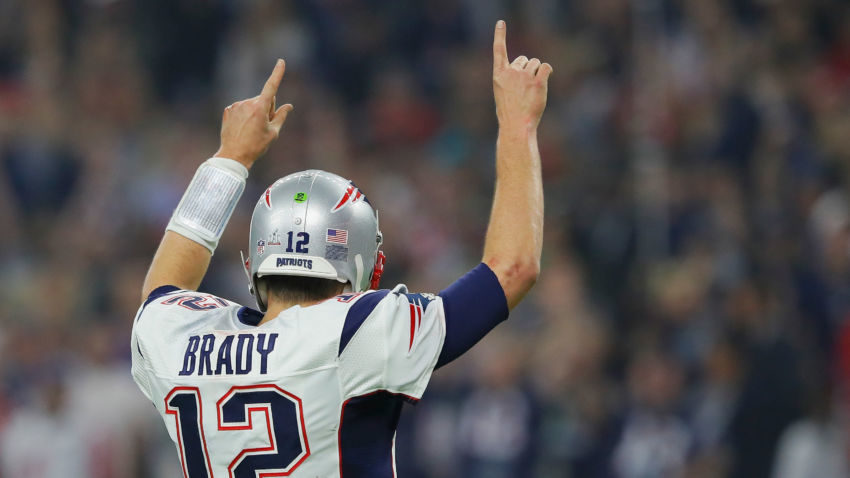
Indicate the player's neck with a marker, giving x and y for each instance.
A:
(277, 306)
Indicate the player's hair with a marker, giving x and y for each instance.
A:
(294, 289)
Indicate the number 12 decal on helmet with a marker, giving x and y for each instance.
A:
(300, 245)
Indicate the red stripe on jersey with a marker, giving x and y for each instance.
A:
(412, 326)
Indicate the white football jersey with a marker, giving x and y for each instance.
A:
(315, 392)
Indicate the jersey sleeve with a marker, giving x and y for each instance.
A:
(168, 312)
(391, 341)
(140, 368)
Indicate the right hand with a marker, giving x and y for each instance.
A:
(519, 87)
(249, 126)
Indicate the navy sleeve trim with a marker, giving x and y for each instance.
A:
(474, 305)
(357, 315)
(159, 292)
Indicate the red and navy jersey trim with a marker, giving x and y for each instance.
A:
(157, 293)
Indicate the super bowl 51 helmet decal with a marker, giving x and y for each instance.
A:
(314, 224)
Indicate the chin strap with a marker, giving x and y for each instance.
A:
(378, 271)
(247, 269)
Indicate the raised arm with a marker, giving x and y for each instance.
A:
(481, 299)
(514, 239)
(247, 129)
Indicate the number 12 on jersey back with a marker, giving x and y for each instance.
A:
(284, 419)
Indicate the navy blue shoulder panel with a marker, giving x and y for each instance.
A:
(249, 316)
(357, 315)
(159, 292)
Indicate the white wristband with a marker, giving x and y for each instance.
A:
(209, 201)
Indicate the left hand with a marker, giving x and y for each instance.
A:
(249, 126)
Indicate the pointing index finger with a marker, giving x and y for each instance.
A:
(500, 51)
(270, 88)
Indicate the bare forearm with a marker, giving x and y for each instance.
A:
(515, 234)
(247, 129)
(179, 261)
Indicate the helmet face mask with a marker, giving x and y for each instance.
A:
(314, 224)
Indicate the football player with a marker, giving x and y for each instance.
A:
(312, 383)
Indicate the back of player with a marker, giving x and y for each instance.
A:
(312, 384)
(314, 392)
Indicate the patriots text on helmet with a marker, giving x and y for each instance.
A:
(290, 262)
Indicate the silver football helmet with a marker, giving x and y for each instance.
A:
(314, 224)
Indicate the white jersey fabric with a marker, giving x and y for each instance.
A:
(315, 392)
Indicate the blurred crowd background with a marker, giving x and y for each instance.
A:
(691, 318)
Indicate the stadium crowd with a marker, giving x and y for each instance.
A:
(691, 318)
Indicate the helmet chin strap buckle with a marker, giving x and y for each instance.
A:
(378, 271)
